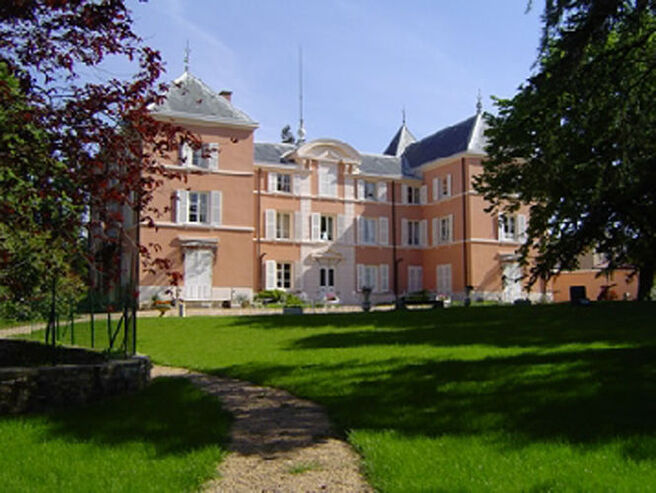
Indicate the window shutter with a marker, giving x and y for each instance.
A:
(270, 274)
(448, 185)
(360, 276)
(315, 221)
(213, 158)
(447, 279)
(298, 226)
(383, 231)
(185, 155)
(381, 190)
(298, 275)
(215, 208)
(348, 188)
(423, 194)
(423, 234)
(436, 189)
(383, 271)
(360, 224)
(273, 181)
(181, 206)
(341, 228)
(521, 228)
(500, 227)
(296, 184)
(360, 189)
(450, 235)
(434, 224)
(404, 232)
(376, 287)
(270, 224)
(404, 193)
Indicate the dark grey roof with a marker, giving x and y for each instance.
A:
(269, 152)
(190, 97)
(400, 141)
(461, 137)
(377, 164)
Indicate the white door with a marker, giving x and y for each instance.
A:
(512, 282)
(198, 275)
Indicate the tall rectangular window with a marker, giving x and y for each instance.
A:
(283, 225)
(198, 202)
(327, 228)
(283, 275)
(283, 183)
(507, 228)
(414, 195)
(370, 190)
(414, 234)
(368, 230)
(446, 226)
(327, 174)
(327, 277)
(415, 278)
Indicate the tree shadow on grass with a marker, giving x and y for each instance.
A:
(585, 397)
(171, 415)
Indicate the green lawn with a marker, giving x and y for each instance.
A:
(542, 398)
(157, 440)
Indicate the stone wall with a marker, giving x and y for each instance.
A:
(85, 377)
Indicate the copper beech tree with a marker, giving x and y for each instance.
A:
(76, 154)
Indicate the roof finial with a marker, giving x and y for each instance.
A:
(301, 127)
(403, 114)
(186, 58)
(479, 103)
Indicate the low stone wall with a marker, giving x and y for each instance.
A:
(84, 377)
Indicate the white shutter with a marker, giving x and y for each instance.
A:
(270, 224)
(383, 231)
(448, 185)
(298, 275)
(521, 228)
(434, 231)
(500, 227)
(213, 159)
(404, 232)
(215, 208)
(436, 189)
(404, 193)
(450, 220)
(423, 194)
(270, 274)
(360, 189)
(381, 191)
(423, 233)
(443, 282)
(348, 188)
(296, 184)
(341, 228)
(298, 226)
(185, 155)
(181, 206)
(376, 285)
(273, 179)
(305, 184)
(360, 276)
(383, 271)
(315, 221)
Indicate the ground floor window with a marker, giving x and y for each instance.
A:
(415, 278)
(327, 277)
(283, 275)
(444, 281)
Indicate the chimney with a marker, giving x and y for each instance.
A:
(226, 94)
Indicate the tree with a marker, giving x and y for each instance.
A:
(576, 142)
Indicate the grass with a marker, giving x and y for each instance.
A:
(302, 467)
(538, 398)
(166, 438)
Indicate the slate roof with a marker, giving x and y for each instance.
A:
(380, 165)
(466, 136)
(190, 97)
(400, 141)
(271, 153)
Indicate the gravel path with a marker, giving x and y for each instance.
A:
(278, 443)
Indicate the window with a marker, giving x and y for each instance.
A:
(327, 228)
(443, 283)
(507, 227)
(370, 190)
(414, 234)
(283, 225)
(283, 183)
(367, 231)
(283, 275)
(368, 277)
(446, 229)
(327, 277)
(198, 207)
(328, 180)
(446, 186)
(414, 195)
(415, 278)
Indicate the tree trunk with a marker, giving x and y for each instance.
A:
(645, 281)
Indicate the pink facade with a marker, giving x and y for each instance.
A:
(322, 220)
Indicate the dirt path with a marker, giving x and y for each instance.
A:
(278, 443)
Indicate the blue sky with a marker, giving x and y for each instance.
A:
(364, 60)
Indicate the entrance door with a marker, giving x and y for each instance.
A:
(198, 275)
(512, 282)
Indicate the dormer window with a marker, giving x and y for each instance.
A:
(414, 195)
(283, 183)
(370, 190)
